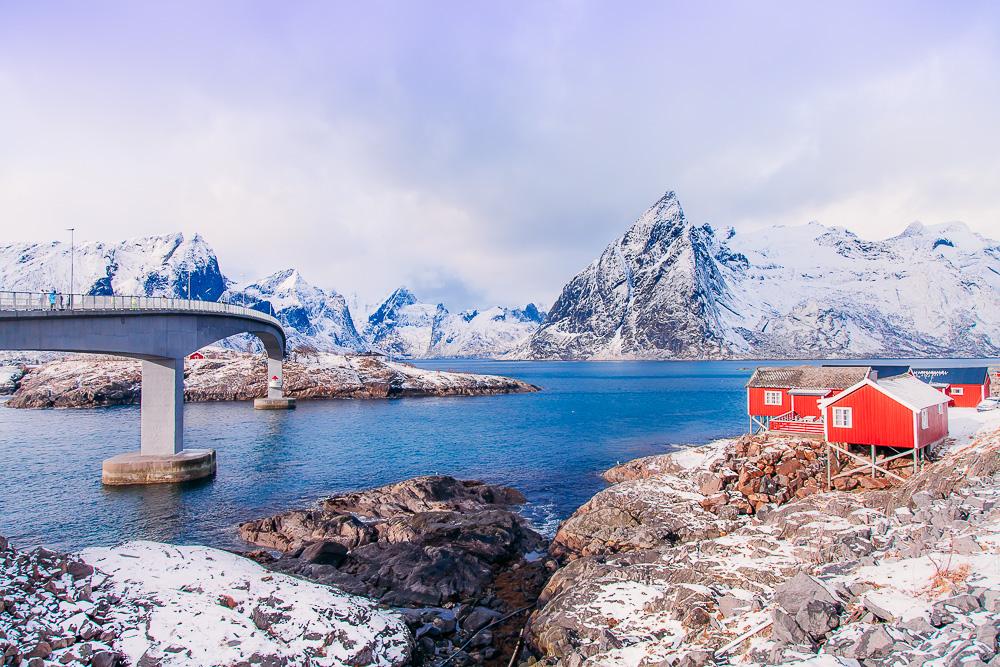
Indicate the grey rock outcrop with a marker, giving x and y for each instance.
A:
(845, 574)
(90, 381)
(424, 541)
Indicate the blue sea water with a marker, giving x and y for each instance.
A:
(552, 445)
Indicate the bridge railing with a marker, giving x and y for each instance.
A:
(28, 301)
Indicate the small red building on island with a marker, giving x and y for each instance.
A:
(965, 386)
(850, 406)
(858, 405)
(786, 398)
(901, 412)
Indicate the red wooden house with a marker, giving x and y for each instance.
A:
(966, 387)
(902, 412)
(786, 398)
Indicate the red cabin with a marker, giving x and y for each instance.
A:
(966, 387)
(196, 355)
(901, 412)
(786, 398)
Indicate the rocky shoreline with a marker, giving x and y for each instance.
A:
(659, 570)
(452, 556)
(225, 375)
(731, 553)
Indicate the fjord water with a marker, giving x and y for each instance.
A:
(552, 445)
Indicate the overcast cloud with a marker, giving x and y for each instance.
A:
(485, 152)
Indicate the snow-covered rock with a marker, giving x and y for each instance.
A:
(830, 579)
(225, 375)
(670, 289)
(192, 605)
(9, 377)
(312, 317)
(153, 266)
(402, 325)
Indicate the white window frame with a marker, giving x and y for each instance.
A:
(843, 418)
(940, 408)
(769, 397)
(924, 420)
(956, 391)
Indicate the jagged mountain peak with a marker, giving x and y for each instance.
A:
(312, 317)
(657, 286)
(286, 280)
(530, 313)
(661, 222)
(399, 299)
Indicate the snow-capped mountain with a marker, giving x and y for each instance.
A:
(311, 316)
(154, 266)
(669, 289)
(403, 326)
(483, 333)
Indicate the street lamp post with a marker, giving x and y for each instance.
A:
(72, 250)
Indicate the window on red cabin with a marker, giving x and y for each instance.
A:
(940, 408)
(843, 417)
(772, 398)
(923, 418)
(957, 391)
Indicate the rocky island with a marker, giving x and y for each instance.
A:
(226, 375)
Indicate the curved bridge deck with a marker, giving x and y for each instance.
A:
(160, 331)
(33, 302)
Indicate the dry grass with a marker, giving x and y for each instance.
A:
(948, 579)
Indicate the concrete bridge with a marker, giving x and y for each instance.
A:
(159, 331)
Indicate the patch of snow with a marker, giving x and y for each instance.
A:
(195, 605)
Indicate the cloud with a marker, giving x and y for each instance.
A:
(487, 153)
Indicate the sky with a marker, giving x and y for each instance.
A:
(483, 153)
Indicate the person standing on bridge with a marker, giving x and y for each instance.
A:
(52, 299)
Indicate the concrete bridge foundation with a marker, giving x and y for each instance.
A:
(275, 399)
(161, 457)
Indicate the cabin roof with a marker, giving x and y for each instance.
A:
(884, 370)
(808, 377)
(913, 392)
(955, 375)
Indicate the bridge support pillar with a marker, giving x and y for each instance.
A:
(162, 414)
(276, 399)
(162, 457)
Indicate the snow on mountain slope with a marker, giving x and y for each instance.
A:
(154, 266)
(655, 291)
(403, 326)
(483, 333)
(668, 289)
(931, 291)
(311, 316)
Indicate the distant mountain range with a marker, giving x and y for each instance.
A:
(321, 319)
(665, 289)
